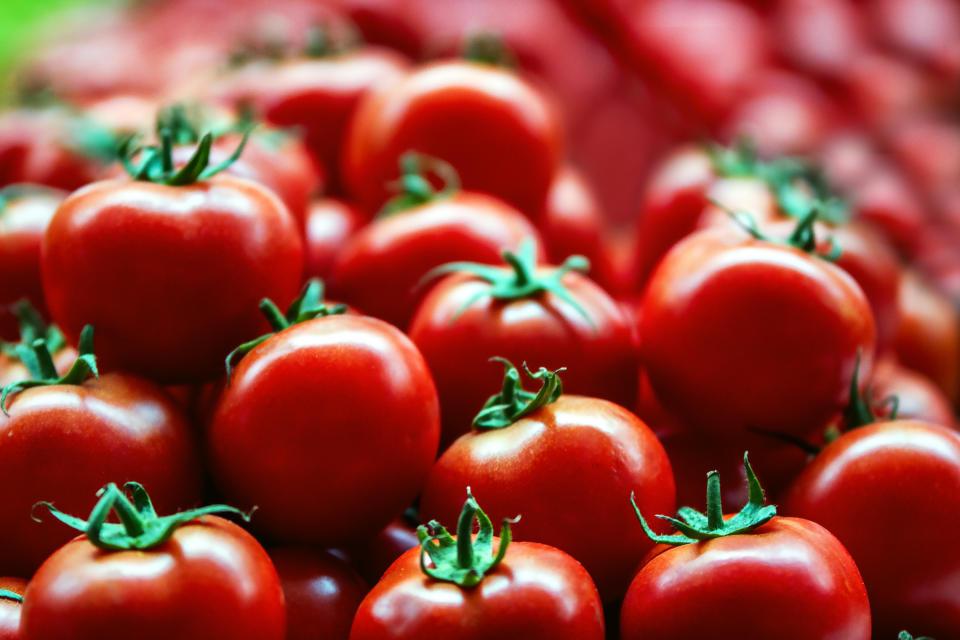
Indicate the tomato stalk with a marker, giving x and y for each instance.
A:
(905, 635)
(140, 527)
(32, 328)
(414, 186)
(514, 402)
(307, 306)
(36, 357)
(16, 597)
(464, 561)
(695, 527)
(802, 237)
(488, 48)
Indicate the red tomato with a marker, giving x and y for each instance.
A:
(329, 427)
(753, 575)
(882, 90)
(468, 318)
(918, 398)
(528, 590)
(322, 593)
(381, 266)
(789, 579)
(926, 30)
(197, 258)
(52, 147)
(25, 213)
(554, 463)
(725, 312)
(10, 608)
(871, 487)
(64, 441)
(373, 556)
(928, 338)
(885, 200)
(208, 578)
(317, 95)
(819, 36)
(330, 224)
(500, 134)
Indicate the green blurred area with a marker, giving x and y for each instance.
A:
(22, 20)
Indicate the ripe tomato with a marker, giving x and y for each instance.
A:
(500, 134)
(214, 247)
(64, 439)
(528, 590)
(928, 337)
(186, 576)
(521, 312)
(330, 224)
(316, 93)
(373, 556)
(726, 312)
(321, 591)
(329, 427)
(751, 575)
(918, 398)
(381, 266)
(10, 607)
(871, 487)
(25, 212)
(554, 458)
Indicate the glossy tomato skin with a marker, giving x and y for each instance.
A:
(10, 610)
(543, 331)
(500, 134)
(330, 427)
(573, 457)
(318, 96)
(789, 578)
(212, 579)
(330, 224)
(536, 593)
(321, 591)
(761, 334)
(23, 222)
(61, 443)
(918, 397)
(381, 266)
(871, 487)
(197, 260)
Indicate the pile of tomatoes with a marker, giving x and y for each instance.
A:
(370, 319)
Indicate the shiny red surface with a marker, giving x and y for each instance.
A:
(10, 610)
(536, 593)
(568, 470)
(330, 224)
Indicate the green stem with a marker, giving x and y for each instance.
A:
(11, 595)
(714, 503)
(514, 402)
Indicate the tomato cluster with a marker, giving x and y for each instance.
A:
(291, 320)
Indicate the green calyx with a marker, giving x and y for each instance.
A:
(174, 127)
(522, 280)
(858, 412)
(464, 560)
(802, 237)
(514, 402)
(140, 527)
(797, 185)
(905, 635)
(307, 306)
(696, 527)
(32, 328)
(485, 47)
(414, 186)
(324, 41)
(36, 357)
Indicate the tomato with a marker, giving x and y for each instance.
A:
(819, 36)
(926, 30)
(554, 458)
(329, 427)
(198, 257)
(917, 397)
(64, 438)
(380, 267)
(881, 90)
(25, 212)
(528, 590)
(330, 224)
(318, 94)
(10, 607)
(753, 575)
(726, 312)
(32, 327)
(52, 147)
(546, 315)
(321, 591)
(500, 134)
(373, 556)
(187, 576)
(871, 487)
(928, 338)
(885, 200)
